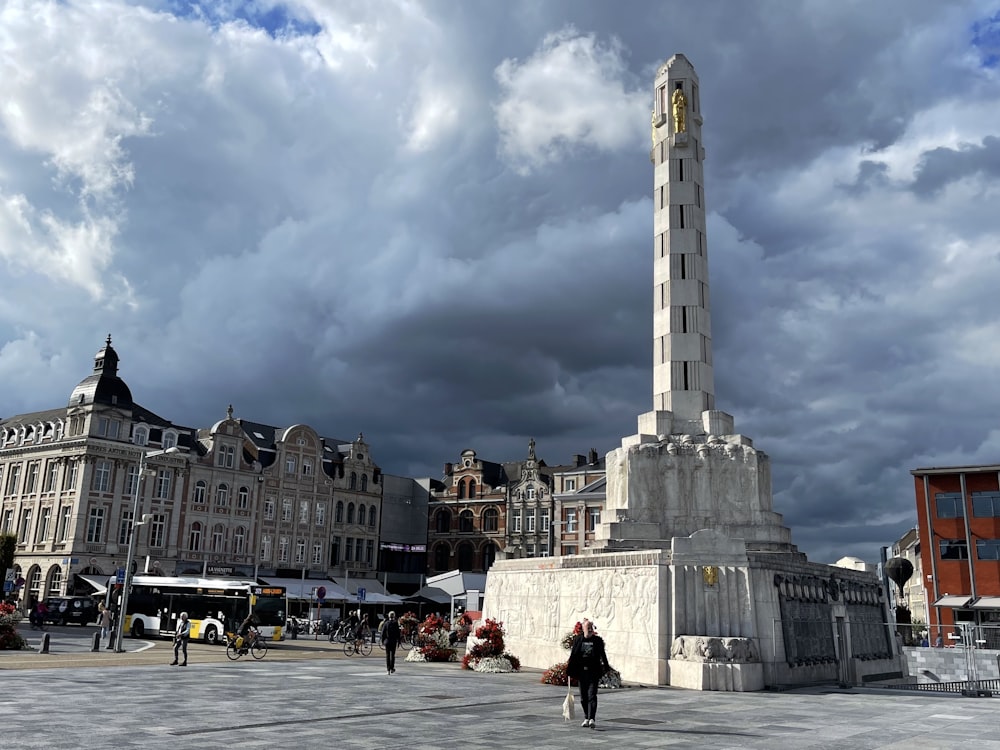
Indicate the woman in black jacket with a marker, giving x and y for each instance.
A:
(588, 662)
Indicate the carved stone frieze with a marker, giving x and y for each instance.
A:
(702, 648)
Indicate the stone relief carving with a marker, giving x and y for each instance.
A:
(700, 648)
(704, 447)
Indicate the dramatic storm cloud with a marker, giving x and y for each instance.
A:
(431, 222)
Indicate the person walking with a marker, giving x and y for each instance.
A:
(104, 620)
(587, 663)
(390, 639)
(181, 636)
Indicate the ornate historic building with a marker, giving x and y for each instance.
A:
(467, 515)
(483, 510)
(239, 498)
(69, 478)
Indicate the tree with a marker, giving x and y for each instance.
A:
(8, 543)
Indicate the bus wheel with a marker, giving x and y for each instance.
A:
(211, 635)
(138, 631)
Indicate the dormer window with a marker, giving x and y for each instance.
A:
(140, 435)
(226, 457)
(169, 440)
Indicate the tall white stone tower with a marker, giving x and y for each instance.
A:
(683, 381)
(685, 469)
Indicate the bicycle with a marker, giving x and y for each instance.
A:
(408, 639)
(252, 644)
(341, 633)
(361, 646)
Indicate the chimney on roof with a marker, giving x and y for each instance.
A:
(592, 456)
(447, 469)
(578, 460)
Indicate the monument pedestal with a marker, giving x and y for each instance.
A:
(738, 678)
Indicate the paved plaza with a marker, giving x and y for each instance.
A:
(306, 694)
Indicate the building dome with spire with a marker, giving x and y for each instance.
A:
(103, 386)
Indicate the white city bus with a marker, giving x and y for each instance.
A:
(215, 606)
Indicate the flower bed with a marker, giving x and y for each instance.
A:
(10, 639)
(486, 652)
(435, 645)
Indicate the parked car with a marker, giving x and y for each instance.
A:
(76, 610)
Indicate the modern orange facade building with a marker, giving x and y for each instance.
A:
(958, 517)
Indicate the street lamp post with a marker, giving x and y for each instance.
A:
(136, 523)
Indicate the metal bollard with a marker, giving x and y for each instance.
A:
(97, 641)
(44, 648)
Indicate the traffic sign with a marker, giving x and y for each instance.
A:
(361, 595)
(120, 575)
(321, 593)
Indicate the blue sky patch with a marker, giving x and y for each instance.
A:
(277, 20)
(986, 38)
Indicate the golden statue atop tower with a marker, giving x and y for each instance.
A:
(678, 103)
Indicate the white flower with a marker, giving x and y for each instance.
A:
(494, 664)
(414, 655)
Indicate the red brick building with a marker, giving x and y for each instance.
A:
(958, 519)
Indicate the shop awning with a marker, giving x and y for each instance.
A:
(958, 601)
(987, 602)
(100, 583)
(299, 588)
(370, 585)
(430, 595)
(376, 598)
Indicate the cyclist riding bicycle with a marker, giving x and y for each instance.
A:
(247, 632)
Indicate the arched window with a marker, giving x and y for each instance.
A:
(472, 488)
(239, 541)
(140, 436)
(466, 556)
(461, 490)
(222, 495)
(243, 498)
(218, 538)
(200, 488)
(350, 512)
(169, 440)
(194, 538)
(442, 521)
(371, 516)
(35, 582)
(364, 483)
(55, 580)
(339, 514)
(362, 513)
(442, 553)
(466, 520)
(489, 555)
(491, 520)
(354, 481)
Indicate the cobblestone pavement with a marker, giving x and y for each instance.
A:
(307, 694)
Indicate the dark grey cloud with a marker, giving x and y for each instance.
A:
(942, 166)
